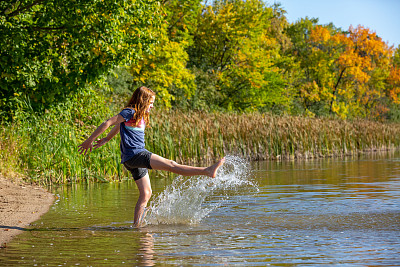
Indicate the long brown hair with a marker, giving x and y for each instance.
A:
(140, 101)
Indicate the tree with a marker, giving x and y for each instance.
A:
(233, 44)
(362, 68)
(165, 70)
(52, 48)
(302, 77)
(181, 17)
(393, 85)
(343, 72)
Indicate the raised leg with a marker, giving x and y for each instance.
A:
(160, 163)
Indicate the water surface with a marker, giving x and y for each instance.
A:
(330, 211)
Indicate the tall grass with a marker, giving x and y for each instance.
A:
(45, 150)
(203, 137)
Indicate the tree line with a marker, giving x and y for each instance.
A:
(231, 55)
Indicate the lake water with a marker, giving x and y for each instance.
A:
(318, 212)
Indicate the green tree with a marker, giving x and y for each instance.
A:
(165, 70)
(306, 77)
(181, 17)
(234, 46)
(52, 48)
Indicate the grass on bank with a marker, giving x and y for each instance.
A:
(44, 150)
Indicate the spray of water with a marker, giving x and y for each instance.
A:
(188, 201)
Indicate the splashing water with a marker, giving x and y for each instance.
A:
(188, 201)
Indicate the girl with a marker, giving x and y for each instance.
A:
(131, 122)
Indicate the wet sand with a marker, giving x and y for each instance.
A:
(20, 205)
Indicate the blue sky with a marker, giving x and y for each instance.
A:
(381, 16)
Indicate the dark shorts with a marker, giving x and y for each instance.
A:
(139, 164)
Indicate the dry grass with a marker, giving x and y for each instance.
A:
(203, 137)
(46, 151)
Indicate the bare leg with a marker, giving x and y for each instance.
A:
(160, 163)
(144, 187)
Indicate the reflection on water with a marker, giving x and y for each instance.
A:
(331, 211)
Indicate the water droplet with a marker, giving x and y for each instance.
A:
(188, 201)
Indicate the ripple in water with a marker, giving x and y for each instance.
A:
(188, 201)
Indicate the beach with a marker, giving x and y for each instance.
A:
(20, 205)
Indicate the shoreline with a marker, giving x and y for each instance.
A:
(20, 205)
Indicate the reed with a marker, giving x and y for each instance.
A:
(44, 150)
(201, 137)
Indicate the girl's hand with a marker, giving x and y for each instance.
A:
(101, 142)
(85, 146)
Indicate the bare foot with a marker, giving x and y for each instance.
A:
(139, 223)
(212, 170)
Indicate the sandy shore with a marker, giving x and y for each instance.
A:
(20, 205)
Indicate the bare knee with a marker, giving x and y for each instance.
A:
(171, 165)
(145, 195)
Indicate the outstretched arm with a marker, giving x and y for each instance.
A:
(109, 136)
(88, 143)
